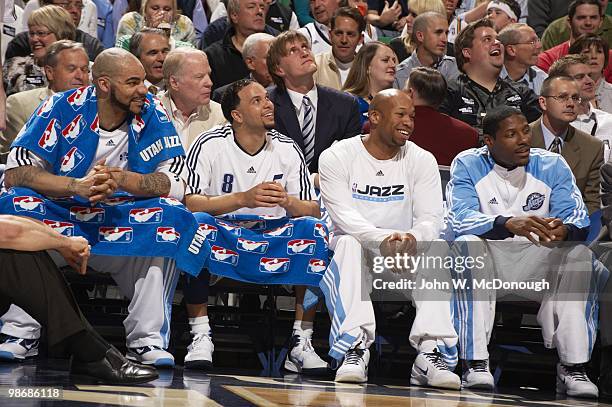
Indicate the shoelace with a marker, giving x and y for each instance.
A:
(305, 342)
(354, 356)
(435, 358)
(576, 372)
(479, 366)
(199, 339)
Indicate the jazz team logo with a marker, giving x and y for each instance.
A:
(29, 204)
(252, 246)
(316, 266)
(87, 214)
(117, 234)
(208, 231)
(282, 231)
(77, 98)
(223, 255)
(301, 246)
(274, 264)
(167, 234)
(72, 159)
(48, 140)
(64, 228)
(74, 129)
(146, 215)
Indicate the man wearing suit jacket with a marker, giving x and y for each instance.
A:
(66, 67)
(313, 116)
(187, 99)
(584, 153)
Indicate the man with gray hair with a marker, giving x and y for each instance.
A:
(521, 49)
(66, 67)
(254, 53)
(430, 34)
(150, 46)
(187, 98)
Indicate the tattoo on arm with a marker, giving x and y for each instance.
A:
(155, 184)
(22, 176)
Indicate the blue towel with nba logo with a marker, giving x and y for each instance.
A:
(64, 132)
(266, 250)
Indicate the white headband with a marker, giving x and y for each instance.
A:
(503, 7)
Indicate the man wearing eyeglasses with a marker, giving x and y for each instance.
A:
(521, 49)
(83, 12)
(584, 154)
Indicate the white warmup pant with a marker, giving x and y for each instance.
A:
(346, 286)
(568, 309)
(149, 283)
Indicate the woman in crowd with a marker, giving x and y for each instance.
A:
(372, 71)
(45, 26)
(157, 14)
(402, 45)
(596, 48)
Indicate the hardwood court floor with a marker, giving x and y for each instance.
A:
(180, 387)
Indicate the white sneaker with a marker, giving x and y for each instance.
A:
(477, 375)
(573, 381)
(354, 368)
(199, 352)
(302, 357)
(151, 355)
(17, 349)
(429, 369)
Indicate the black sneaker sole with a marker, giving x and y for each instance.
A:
(199, 365)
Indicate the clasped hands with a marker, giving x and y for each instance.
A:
(99, 184)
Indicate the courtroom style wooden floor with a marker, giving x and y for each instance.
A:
(180, 387)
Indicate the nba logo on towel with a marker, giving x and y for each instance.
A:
(146, 215)
(251, 246)
(274, 265)
(170, 201)
(224, 255)
(232, 228)
(208, 231)
(167, 234)
(77, 98)
(48, 140)
(251, 224)
(119, 200)
(115, 234)
(301, 246)
(319, 231)
(316, 266)
(74, 129)
(47, 105)
(71, 160)
(87, 214)
(64, 228)
(282, 231)
(29, 204)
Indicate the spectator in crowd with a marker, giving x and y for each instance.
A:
(585, 17)
(372, 71)
(47, 25)
(302, 11)
(464, 17)
(83, 12)
(584, 154)
(21, 45)
(225, 56)
(106, 31)
(150, 46)
(278, 16)
(249, 141)
(31, 280)
(589, 120)
(479, 88)
(313, 116)
(521, 49)
(430, 38)
(559, 31)
(66, 67)
(405, 44)
(388, 17)
(503, 13)
(503, 197)
(367, 226)
(254, 52)
(317, 32)
(187, 98)
(441, 135)
(158, 14)
(597, 50)
(543, 12)
(346, 34)
(474, 10)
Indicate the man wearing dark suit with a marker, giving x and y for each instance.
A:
(313, 116)
(440, 134)
(583, 153)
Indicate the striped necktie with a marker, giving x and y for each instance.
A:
(555, 146)
(308, 130)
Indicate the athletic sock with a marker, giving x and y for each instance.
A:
(199, 325)
(428, 345)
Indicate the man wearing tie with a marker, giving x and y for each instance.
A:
(584, 153)
(313, 116)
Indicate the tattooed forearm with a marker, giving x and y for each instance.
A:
(22, 176)
(155, 184)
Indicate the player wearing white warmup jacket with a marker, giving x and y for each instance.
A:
(512, 197)
(382, 189)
